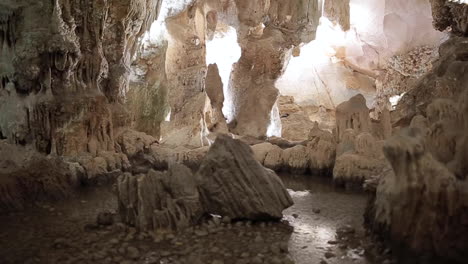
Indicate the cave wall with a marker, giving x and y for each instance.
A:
(420, 206)
(63, 68)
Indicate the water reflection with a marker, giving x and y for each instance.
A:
(319, 210)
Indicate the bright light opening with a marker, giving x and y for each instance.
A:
(395, 99)
(224, 50)
(274, 128)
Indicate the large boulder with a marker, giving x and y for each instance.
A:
(232, 183)
(160, 200)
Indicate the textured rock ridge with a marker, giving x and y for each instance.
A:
(229, 182)
(160, 200)
(232, 183)
(421, 204)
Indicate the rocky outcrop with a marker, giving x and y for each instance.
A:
(295, 121)
(421, 193)
(27, 176)
(338, 12)
(214, 90)
(229, 182)
(232, 183)
(160, 200)
(265, 47)
(321, 150)
(421, 206)
(57, 86)
(446, 80)
(451, 14)
(362, 161)
(352, 114)
(316, 155)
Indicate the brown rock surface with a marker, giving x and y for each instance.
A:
(232, 183)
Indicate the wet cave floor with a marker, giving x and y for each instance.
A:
(323, 226)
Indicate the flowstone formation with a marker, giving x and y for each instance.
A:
(315, 155)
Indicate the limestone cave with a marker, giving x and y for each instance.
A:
(234, 131)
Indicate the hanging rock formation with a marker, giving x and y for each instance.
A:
(214, 90)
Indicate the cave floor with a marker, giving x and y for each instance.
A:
(324, 226)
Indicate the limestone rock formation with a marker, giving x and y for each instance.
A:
(422, 205)
(160, 200)
(352, 114)
(27, 176)
(274, 158)
(214, 90)
(451, 14)
(321, 150)
(295, 122)
(265, 49)
(447, 79)
(132, 142)
(363, 162)
(296, 159)
(261, 150)
(232, 183)
(338, 11)
(57, 86)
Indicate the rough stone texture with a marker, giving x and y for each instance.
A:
(274, 158)
(232, 183)
(147, 98)
(295, 122)
(296, 159)
(447, 79)
(261, 150)
(364, 162)
(450, 14)
(338, 12)
(352, 114)
(321, 150)
(160, 201)
(402, 71)
(57, 85)
(421, 206)
(264, 52)
(27, 176)
(132, 142)
(186, 70)
(214, 89)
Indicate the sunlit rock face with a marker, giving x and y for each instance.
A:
(265, 49)
(346, 60)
